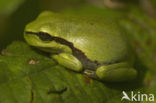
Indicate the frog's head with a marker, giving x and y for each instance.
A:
(42, 33)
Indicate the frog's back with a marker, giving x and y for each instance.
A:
(98, 38)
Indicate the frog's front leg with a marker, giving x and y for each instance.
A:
(118, 72)
(69, 61)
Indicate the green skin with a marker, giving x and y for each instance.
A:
(92, 45)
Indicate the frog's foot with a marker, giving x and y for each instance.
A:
(118, 72)
(68, 61)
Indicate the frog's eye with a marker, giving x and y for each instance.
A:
(44, 36)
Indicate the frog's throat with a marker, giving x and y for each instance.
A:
(87, 63)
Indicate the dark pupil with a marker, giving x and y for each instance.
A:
(44, 36)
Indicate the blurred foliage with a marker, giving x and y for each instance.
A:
(12, 26)
(9, 6)
(28, 76)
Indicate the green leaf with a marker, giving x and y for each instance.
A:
(30, 76)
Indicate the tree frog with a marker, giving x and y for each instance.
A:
(89, 44)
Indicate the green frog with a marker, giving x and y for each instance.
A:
(89, 44)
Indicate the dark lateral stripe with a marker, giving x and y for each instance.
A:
(76, 52)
